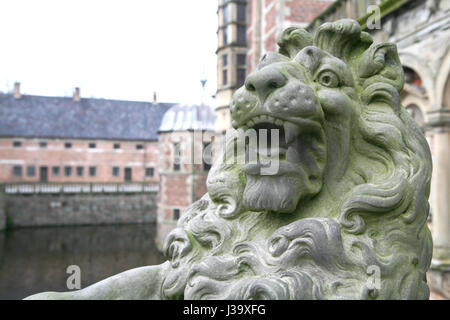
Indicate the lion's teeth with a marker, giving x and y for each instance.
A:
(291, 131)
(279, 122)
(263, 118)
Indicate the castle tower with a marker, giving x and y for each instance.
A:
(183, 137)
(231, 57)
(246, 30)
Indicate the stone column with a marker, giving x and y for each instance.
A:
(439, 123)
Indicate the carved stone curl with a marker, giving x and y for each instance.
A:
(344, 217)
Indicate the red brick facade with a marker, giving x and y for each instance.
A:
(305, 10)
(179, 186)
(267, 18)
(50, 160)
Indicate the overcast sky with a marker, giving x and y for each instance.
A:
(123, 49)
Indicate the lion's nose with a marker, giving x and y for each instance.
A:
(264, 82)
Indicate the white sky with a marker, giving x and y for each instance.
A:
(123, 49)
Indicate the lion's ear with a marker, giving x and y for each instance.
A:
(380, 63)
(292, 40)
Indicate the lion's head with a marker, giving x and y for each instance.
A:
(348, 201)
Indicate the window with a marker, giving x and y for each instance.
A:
(139, 147)
(240, 76)
(55, 171)
(224, 70)
(92, 171)
(43, 144)
(241, 35)
(80, 171)
(241, 59)
(176, 157)
(31, 171)
(226, 14)
(17, 171)
(241, 12)
(116, 171)
(116, 145)
(149, 172)
(176, 214)
(92, 145)
(224, 36)
(128, 174)
(67, 171)
(224, 77)
(68, 145)
(207, 156)
(240, 70)
(43, 174)
(17, 144)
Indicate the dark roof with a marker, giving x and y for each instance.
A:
(61, 117)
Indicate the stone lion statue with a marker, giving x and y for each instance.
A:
(344, 217)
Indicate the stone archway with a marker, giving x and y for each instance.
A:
(446, 93)
(414, 96)
(414, 63)
(443, 83)
(439, 122)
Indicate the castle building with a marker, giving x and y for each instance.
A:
(74, 140)
(185, 150)
(50, 141)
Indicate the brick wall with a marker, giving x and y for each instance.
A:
(179, 189)
(268, 18)
(104, 157)
(305, 10)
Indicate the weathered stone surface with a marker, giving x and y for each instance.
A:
(344, 215)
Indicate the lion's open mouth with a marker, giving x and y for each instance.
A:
(277, 141)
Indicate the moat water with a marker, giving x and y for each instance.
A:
(33, 260)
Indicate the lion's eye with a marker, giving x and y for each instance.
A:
(328, 79)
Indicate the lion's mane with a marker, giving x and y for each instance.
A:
(220, 250)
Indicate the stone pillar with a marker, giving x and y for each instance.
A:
(439, 123)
